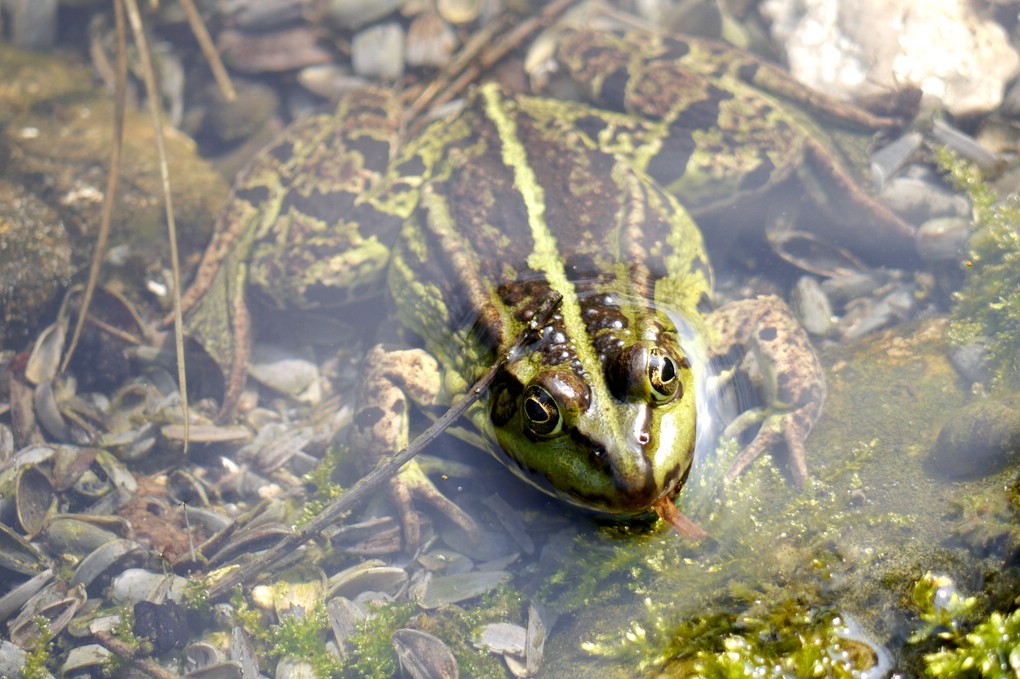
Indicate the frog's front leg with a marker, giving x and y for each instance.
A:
(380, 428)
(792, 376)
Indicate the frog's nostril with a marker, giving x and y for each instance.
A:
(599, 457)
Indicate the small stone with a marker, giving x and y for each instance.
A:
(430, 42)
(971, 360)
(918, 200)
(943, 238)
(979, 439)
(378, 52)
(812, 306)
(165, 625)
(358, 13)
(863, 48)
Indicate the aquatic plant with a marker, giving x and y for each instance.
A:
(372, 654)
(304, 637)
(40, 655)
(991, 647)
(988, 306)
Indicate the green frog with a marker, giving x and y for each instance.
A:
(472, 224)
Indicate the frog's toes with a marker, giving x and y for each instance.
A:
(410, 522)
(414, 482)
(791, 376)
(782, 435)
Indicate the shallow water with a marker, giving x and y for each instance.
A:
(825, 580)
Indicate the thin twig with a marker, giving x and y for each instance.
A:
(384, 470)
(112, 178)
(212, 57)
(477, 56)
(141, 41)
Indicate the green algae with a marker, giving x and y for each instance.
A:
(988, 306)
(372, 654)
(304, 637)
(41, 654)
(817, 582)
(969, 645)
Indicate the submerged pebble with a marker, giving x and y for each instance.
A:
(979, 440)
(378, 52)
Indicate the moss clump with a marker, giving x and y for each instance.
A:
(196, 596)
(36, 659)
(372, 654)
(304, 637)
(326, 489)
(456, 626)
(249, 619)
(988, 306)
(784, 638)
(990, 649)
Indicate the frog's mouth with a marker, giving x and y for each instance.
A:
(639, 474)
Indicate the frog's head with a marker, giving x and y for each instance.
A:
(613, 439)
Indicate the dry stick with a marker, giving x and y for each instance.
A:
(448, 84)
(138, 30)
(212, 57)
(120, 98)
(383, 471)
(509, 42)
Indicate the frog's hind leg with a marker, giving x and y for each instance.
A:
(380, 428)
(858, 220)
(793, 382)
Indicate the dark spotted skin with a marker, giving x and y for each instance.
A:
(472, 224)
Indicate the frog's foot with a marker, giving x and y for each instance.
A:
(793, 382)
(782, 434)
(412, 482)
(380, 428)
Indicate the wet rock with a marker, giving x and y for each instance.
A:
(971, 360)
(872, 47)
(12, 659)
(282, 50)
(35, 263)
(918, 199)
(378, 52)
(165, 625)
(84, 660)
(430, 41)
(357, 13)
(459, 11)
(812, 306)
(943, 238)
(62, 151)
(979, 439)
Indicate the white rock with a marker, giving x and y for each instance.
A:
(378, 52)
(855, 48)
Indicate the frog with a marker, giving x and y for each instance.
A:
(469, 226)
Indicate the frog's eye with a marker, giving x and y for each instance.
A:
(541, 414)
(663, 377)
(644, 372)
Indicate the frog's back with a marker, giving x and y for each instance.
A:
(516, 199)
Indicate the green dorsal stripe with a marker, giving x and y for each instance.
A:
(546, 256)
